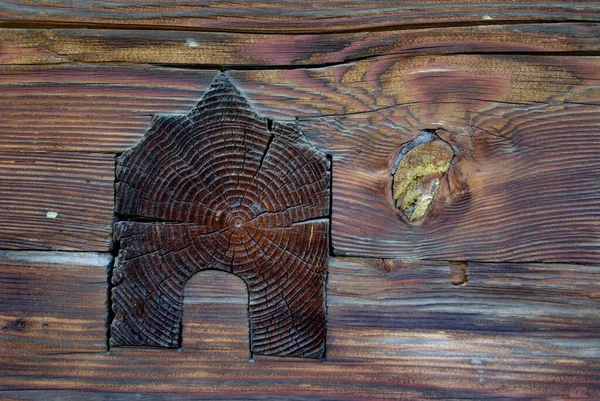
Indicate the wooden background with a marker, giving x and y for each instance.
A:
(515, 86)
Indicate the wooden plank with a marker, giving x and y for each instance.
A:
(505, 144)
(50, 306)
(233, 50)
(90, 108)
(78, 107)
(291, 17)
(395, 330)
(523, 186)
(215, 310)
(56, 200)
(450, 87)
(506, 309)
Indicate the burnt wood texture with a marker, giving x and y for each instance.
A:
(474, 274)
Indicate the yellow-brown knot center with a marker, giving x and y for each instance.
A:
(417, 177)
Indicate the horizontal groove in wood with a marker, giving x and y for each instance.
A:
(260, 51)
(288, 17)
(56, 201)
(395, 330)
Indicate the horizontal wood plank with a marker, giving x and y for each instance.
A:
(56, 200)
(263, 51)
(523, 183)
(448, 86)
(291, 17)
(78, 107)
(395, 330)
(523, 186)
(49, 307)
(90, 108)
(521, 310)
(511, 117)
(215, 307)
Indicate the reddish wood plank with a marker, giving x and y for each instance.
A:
(411, 94)
(215, 314)
(506, 309)
(89, 108)
(291, 17)
(449, 86)
(51, 307)
(234, 50)
(523, 186)
(397, 331)
(107, 108)
(56, 201)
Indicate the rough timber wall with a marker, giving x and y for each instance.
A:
(471, 275)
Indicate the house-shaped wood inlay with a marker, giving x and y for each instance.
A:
(222, 188)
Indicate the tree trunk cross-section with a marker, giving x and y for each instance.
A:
(226, 189)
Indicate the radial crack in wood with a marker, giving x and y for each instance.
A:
(222, 188)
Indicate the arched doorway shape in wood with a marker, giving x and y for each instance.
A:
(222, 188)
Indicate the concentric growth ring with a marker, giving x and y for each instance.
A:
(221, 188)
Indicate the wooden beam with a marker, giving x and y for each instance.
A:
(289, 17)
(264, 51)
(522, 187)
(395, 330)
(56, 201)
(51, 303)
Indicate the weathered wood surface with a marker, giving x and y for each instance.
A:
(512, 87)
(37, 315)
(108, 108)
(236, 50)
(89, 108)
(526, 127)
(395, 330)
(223, 188)
(289, 16)
(56, 200)
(216, 314)
(523, 188)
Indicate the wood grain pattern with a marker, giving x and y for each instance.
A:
(523, 187)
(290, 17)
(56, 201)
(87, 108)
(523, 183)
(447, 86)
(222, 188)
(263, 51)
(215, 314)
(396, 331)
(512, 87)
(540, 304)
(409, 94)
(37, 316)
(78, 107)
